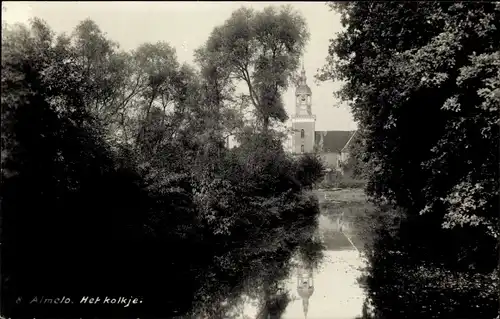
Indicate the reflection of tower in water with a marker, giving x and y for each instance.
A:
(305, 286)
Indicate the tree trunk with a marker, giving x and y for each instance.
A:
(265, 124)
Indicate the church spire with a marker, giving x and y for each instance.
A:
(305, 287)
(305, 306)
(303, 77)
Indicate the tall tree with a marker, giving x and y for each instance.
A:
(422, 80)
(261, 49)
(104, 67)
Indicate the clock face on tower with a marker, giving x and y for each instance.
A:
(302, 103)
(301, 99)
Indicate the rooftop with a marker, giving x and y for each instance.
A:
(332, 141)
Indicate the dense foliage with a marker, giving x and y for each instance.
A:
(116, 178)
(356, 166)
(423, 83)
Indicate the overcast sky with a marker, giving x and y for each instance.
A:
(186, 26)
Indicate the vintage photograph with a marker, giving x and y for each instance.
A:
(250, 160)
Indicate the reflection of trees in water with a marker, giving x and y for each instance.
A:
(275, 301)
(278, 297)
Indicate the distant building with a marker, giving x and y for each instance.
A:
(333, 146)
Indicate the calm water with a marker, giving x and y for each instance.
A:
(337, 294)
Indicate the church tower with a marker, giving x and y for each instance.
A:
(303, 122)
